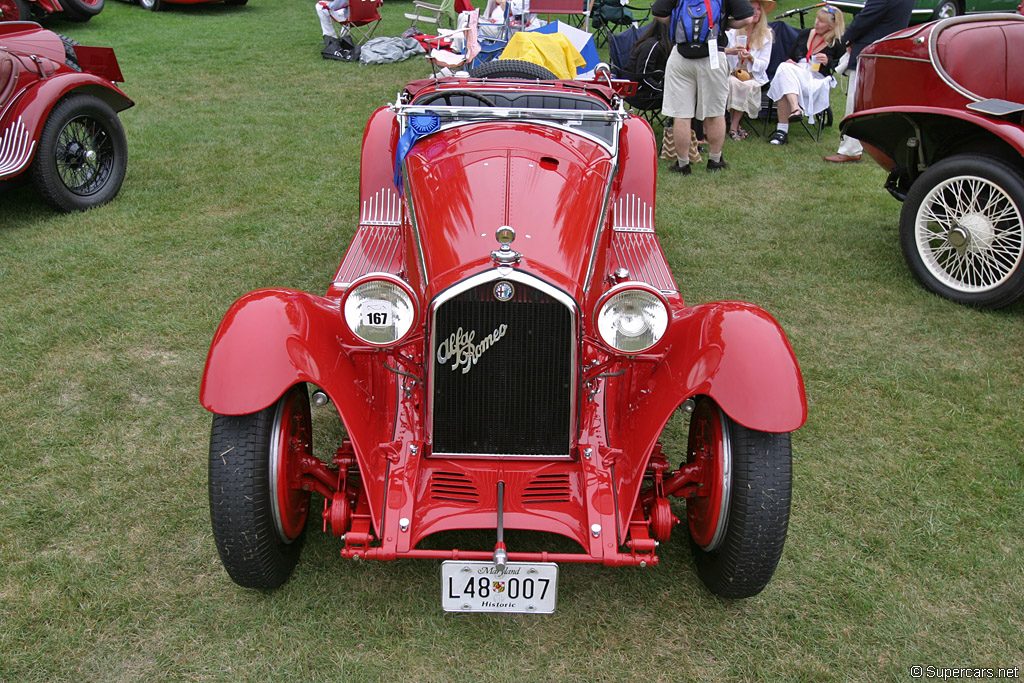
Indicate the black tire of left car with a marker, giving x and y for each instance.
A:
(259, 523)
(962, 230)
(82, 154)
(21, 8)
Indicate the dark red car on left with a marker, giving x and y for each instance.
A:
(58, 117)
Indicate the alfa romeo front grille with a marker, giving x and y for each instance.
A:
(503, 372)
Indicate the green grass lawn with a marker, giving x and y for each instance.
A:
(906, 539)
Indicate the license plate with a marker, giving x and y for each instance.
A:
(481, 587)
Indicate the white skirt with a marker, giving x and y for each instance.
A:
(810, 87)
(745, 96)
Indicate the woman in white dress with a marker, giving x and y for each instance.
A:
(750, 50)
(802, 83)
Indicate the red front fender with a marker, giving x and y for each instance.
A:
(271, 339)
(737, 354)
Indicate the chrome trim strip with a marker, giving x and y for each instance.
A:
(632, 214)
(493, 275)
(600, 222)
(952, 21)
(383, 208)
(895, 57)
(16, 147)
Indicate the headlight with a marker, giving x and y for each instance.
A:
(379, 309)
(632, 319)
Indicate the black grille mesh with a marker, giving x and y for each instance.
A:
(515, 400)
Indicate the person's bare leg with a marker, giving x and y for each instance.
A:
(736, 116)
(681, 131)
(714, 128)
(787, 105)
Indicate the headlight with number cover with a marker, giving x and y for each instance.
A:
(379, 309)
(632, 318)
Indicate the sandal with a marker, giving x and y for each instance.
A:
(736, 135)
(778, 138)
(796, 116)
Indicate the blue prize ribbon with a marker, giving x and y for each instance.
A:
(417, 127)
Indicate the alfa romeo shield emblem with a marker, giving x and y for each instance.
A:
(503, 291)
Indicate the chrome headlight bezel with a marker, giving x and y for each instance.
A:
(655, 322)
(395, 300)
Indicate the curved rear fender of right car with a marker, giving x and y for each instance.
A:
(907, 141)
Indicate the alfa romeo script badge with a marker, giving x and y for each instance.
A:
(503, 291)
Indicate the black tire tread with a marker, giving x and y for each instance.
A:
(758, 516)
(240, 506)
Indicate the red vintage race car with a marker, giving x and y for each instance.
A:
(940, 107)
(505, 344)
(58, 117)
(30, 10)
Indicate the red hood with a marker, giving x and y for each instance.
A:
(548, 184)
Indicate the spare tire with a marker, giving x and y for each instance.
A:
(513, 68)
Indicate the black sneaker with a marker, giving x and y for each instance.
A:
(714, 166)
(676, 168)
(778, 138)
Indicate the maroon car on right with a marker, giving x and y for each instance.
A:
(941, 107)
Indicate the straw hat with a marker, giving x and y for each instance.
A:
(767, 6)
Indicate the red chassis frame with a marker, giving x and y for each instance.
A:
(386, 491)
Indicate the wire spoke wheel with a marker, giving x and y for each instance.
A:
(85, 155)
(968, 232)
(963, 231)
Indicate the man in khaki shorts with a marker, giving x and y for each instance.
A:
(697, 78)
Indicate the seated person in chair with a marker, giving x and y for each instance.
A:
(749, 51)
(337, 43)
(648, 54)
(802, 83)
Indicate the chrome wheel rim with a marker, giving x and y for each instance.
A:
(969, 233)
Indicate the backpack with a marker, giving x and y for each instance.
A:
(690, 22)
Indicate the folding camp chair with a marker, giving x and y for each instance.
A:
(611, 16)
(785, 36)
(363, 19)
(464, 43)
(439, 14)
(578, 11)
(647, 101)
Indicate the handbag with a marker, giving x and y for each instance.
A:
(742, 74)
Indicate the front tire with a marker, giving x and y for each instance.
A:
(152, 5)
(82, 155)
(962, 232)
(258, 516)
(738, 523)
